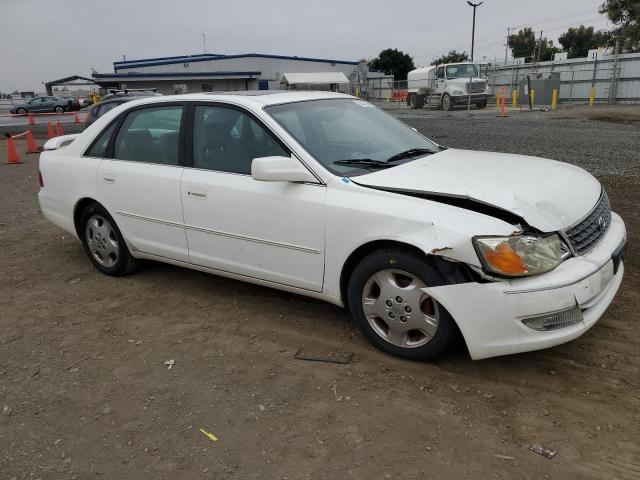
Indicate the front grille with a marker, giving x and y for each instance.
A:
(477, 87)
(586, 234)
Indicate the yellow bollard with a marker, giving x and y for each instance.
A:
(514, 98)
(533, 97)
(554, 99)
(497, 99)
(592, 96)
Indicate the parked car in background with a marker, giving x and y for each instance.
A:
(111, 101)
(46, 104)
(324, 195)
(74, 103)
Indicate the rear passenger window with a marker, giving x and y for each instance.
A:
(99, 148)
(150, 135)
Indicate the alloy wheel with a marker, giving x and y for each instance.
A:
(398, 309)
(102, 241)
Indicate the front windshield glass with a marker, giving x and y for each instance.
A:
(357, 135)
(462, 70)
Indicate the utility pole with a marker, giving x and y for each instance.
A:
(539, 48)
(506, 46)
(473, 29)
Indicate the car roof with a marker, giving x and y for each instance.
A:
(254, 98)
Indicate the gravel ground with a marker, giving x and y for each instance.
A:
(85, 392)
(602, 148)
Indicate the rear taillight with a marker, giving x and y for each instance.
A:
(40, 179)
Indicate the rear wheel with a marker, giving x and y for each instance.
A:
(413, 101)
(103, 242)
(58, 109)
(387, 299)
(447, 103)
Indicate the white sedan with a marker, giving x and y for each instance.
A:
(322, 194)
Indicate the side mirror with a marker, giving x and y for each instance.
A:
(280, 169)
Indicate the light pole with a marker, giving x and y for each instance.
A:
(473, 30)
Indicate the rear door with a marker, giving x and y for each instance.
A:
(140, 182)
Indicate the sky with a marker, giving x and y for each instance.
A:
(42, 40)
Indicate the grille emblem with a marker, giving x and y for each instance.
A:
(602, 222)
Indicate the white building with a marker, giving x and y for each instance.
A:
(213, 72)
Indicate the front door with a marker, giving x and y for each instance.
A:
(267, 230)
(140, 183)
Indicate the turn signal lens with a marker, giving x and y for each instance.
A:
(503, 259)
(521, 255)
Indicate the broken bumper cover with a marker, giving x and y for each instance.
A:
(490, 315)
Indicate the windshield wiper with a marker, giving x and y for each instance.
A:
(365, 162)
(412, 152)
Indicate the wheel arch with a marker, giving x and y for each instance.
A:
(450, 272)
(80, 206)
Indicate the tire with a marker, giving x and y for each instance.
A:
(58, 109)
(413, 101)
(21, 111)
(482, 104)
(446, 102)
(388, 283)
(103, 243)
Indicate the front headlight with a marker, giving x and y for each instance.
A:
(458, 92)
(521, 255)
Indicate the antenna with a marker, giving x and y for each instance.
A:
(204, 43)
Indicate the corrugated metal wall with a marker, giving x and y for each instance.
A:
(578, 76)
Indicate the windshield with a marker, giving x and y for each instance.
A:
(462, 70)
(351, 132)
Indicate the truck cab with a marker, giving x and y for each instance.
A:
(447, 85)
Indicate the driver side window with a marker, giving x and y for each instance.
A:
(440, 72)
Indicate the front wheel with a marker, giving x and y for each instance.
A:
(447, 103)
(58, 109)
(21, 111)
(103, 242)
(387, 299)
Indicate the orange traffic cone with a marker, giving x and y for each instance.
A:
(12, 154)
(76, 119)
(50, 132)
(31, 120)
(59, 130)
(502, 106)
(31, 143)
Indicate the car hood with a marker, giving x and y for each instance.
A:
(547, 194)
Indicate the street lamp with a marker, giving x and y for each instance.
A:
(473, 31)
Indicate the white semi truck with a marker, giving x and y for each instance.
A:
(447, 85)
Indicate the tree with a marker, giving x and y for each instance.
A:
(625, 15)
(393, 62)
(525, 44)
(578, 41)
(451, 57)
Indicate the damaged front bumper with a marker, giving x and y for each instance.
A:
(490, 315)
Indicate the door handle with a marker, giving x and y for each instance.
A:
(197, 193)
(108, 178)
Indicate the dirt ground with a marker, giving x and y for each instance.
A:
(85, 392)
